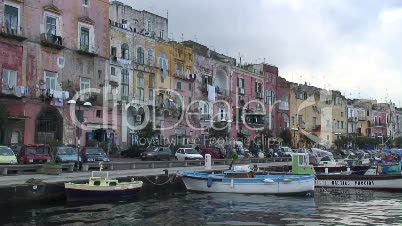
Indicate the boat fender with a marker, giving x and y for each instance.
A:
(287, 180)
(209, 182)
(268, 181)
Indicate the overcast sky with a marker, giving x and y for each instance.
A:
(354, 46)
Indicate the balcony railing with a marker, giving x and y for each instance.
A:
(12, 32)
(53, 41)
(87, 50)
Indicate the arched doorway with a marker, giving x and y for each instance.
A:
(49, 126)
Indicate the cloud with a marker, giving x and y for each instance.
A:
(346, 45)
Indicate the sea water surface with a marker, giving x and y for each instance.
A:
(328, 207)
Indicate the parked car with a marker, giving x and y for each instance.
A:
(94, 154)
(188, 154)
(33, 153)
(7, 156)
(134, 151)
(157, 154)
(67, 154)
(214, 152)
(286, 151)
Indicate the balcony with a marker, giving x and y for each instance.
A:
(18, 91)
(52, 41)
(205, 117)
(87, 50)
(12, 32)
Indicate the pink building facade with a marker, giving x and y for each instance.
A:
(379, 123)
(49, 53)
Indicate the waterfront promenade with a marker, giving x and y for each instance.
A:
(14, 180)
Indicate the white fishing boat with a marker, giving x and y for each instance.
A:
(372, 179)
(244, 180)
(100, 186)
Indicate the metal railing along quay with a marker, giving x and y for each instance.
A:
(69, 167)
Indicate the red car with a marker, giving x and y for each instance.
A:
(33, 153)
(214, 152)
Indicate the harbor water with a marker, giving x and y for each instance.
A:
(172, 207)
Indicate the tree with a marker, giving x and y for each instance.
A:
(218, 130)
(398, 142)
(4, 122)
(147, 133)
(286, 136)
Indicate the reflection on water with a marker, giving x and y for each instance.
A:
(345, 207)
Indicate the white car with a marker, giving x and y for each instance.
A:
(188, 154)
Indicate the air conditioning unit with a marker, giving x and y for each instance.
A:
(241, 90)
(138, 118)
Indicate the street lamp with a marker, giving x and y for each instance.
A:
(294, 134)
(80, 119)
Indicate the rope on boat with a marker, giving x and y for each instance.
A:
(171, 180)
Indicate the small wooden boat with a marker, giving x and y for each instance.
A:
(244, 180)
(99, 187)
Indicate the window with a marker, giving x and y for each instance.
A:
(179, 69)
(85, 3)
(151, 81)
(269, 97)
(341, 113)
(300, 120)
(99, 113)
(113, 51)
(99, 74)
(9, 79)
(140, 55)
(314, 122)
(148, 25)
(113, 71)
(84, 87)
(341, 124)
(11, 19)
(189, 87)
(140, 86)
(189, 100)
(84, 39)
(338, 125)
(150, 57)
(124, 83)
(125, 53)
(258, 87)
(51, 25)
(240, 82)
(151, 94)
(161, 34)
(50, 80)
(178, 85)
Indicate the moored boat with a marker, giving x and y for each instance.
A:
(375, 182)
(99, 187)
(244, 180)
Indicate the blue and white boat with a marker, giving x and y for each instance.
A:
(244, 180)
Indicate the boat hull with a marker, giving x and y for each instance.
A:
(358, 170)
(78, 192)
(375, 182)
(304, 187)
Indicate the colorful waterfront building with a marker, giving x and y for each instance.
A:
(49, 54)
